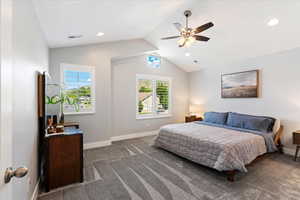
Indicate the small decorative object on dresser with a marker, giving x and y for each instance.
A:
(192, 118)
(296, 140)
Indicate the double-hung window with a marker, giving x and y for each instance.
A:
(153, 96)
(78, 89)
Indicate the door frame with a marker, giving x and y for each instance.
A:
(6, 94)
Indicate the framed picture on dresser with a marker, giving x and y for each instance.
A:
(240, 84)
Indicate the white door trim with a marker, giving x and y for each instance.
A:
(6, 95)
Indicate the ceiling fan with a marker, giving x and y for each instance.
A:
(188, 35)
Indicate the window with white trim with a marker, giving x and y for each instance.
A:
(78, 90)
(153, 96)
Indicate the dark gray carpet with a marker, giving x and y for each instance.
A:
(134, 170)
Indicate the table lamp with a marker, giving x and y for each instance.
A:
(195, 110)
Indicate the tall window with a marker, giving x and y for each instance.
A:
(153, 96)
(78, 88)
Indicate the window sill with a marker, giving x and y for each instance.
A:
(153, 116)
(80, 113)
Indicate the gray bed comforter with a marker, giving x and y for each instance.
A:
(216, 147)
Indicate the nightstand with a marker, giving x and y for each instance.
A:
(192, 118)
(296, 140)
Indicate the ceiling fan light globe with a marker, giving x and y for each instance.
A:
(181, 41)
(190, 41)
(187, 44)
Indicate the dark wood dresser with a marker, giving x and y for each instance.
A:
(63, 164)
(60, 155)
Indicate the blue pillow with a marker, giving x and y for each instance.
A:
(257, 123)
(215, 117)
(234, 120)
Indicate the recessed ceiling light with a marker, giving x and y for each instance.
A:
(273, 22)
(187, 54)
(74, 36)
(100, 34)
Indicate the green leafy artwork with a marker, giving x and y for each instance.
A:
(64, 99)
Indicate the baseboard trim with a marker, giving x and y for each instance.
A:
(35, 193)
(289, 151)
(94, 145)
(105, 143)
(133, 135)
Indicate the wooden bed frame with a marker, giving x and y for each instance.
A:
(277, 140)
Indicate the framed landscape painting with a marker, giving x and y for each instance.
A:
(240, 85)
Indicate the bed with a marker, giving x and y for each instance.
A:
(227, 143)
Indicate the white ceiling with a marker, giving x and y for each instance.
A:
(240, 29)
(240, 32)
(117, 19)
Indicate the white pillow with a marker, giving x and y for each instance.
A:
(276, 126)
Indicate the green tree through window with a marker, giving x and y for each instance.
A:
(79, 85)
(153, 96)
(162, 92)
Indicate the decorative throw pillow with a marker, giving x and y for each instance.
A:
(258, 123)
(215, 117)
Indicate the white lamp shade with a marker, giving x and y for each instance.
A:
(196, 109)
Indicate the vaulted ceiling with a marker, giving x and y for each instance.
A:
(117, 19)
(240, 30)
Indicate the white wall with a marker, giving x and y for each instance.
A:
(124, 95)
(280, 89)
(96, 127)
(30, 55)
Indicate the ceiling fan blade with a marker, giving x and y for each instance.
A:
(172, 37)
(204, 27)
(178, 26)
(201, 38)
